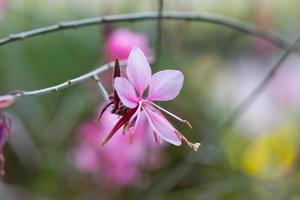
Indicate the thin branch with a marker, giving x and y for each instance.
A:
(67, 83)
(102, 88)
(242, 108)
(159, 31)
(238, 25)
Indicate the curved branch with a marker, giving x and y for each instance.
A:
(238, 25)
(68, 83)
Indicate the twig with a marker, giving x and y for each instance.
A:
(238, 25)
(259, 88)
(67, 83)
(102, 88)
(159, 31)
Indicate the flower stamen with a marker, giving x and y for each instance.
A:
(171, 114)
(195, 146)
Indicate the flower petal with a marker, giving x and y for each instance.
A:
(138, 70)
(125, 118)
(115, 97)
(6, 101)
(146, 132)
(126, 92)
(5, 128)
(165, 85)
(161, 126)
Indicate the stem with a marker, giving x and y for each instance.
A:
(102, 88)
(232, 23)
(68, 83)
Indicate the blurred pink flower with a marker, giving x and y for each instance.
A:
(5, 132)
(120, 162)
(119, 43)
(163, 86)
(5, 128)
(5, 120)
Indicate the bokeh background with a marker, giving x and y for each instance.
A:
(256, 159)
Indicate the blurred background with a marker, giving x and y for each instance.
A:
(54, 150)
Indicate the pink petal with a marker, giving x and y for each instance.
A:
(120, 42)
(135, 119)
(165, 85)
(161, 126)
(86, 158)
(5, 129)
(6, 101)
(138, 70)
(125, 118)
(144, 131)
(126, 92)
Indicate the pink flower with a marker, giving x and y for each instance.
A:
(5, 120)
(163, 86)
(5, 128)
(112, 168)
(120, 42)
(5, 132)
